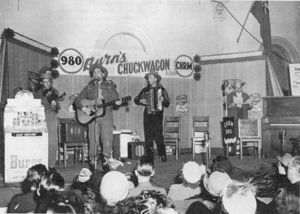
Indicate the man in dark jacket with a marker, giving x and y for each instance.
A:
(153, 117)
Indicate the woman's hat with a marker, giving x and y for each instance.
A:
(285, 159)
(84, 175)
(154, 73)
(215, 183)
(239, 197)
(114, 187)
(104, 70)
(192, 172)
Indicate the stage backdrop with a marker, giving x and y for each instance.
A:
(204, 96)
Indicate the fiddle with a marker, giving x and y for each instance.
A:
(52, 96)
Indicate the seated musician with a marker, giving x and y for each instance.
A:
(101, 89)
(153, 114)
(49, 97)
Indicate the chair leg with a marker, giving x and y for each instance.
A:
(193, 149)
(207, 156)
(83, 154)
(209, 150)
(65, 155)
(227, 150)
(241, 149)
(177, 150)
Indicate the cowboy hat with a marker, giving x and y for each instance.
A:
(44, 70)
(45, 76)
(154, 73)
(104, 70)
(238, 83)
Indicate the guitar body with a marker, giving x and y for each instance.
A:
(84, 118)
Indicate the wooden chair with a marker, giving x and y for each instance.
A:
(70, 134)
(201, 135)
(171, 133)
(249, 131)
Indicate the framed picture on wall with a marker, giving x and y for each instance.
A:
(295, 79)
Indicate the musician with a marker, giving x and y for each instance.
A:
(102, 127)
(49, 97)
(238, 109)
(153, 120)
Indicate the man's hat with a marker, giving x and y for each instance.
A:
(154, 73)
(44, 70)
(104, 70)
(45, 76)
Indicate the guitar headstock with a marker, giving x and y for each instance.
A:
(126, 99)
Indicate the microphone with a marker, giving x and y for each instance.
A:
(95, 80)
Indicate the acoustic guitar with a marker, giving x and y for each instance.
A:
(98, 104)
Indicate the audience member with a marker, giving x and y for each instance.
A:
(113, 190)
(51, 191)
(144, 171)
(152, 202)
(239, 198)
(24, 202)
(288, 200)
(293, 173)
(198, 207)
(61, 208)
(190, 175)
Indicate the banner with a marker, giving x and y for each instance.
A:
(295, 79)
(228, 130)
(124, 63)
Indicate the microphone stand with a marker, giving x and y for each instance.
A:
(95, 125)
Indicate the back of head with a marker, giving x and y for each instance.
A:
(198, 207)
(239, 197)
(61, 208)
(288, 199)
(50, 183)
(145, 167)
(33, 177)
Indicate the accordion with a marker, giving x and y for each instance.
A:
(153, 103)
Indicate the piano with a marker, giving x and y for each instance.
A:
(280, 114)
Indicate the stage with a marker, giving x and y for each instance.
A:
(164, 173)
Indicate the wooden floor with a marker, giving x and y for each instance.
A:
(164, 173)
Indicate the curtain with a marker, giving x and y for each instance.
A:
(273, 88)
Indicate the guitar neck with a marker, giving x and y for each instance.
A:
(106, 104)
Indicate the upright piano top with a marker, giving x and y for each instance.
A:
(281, 106)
